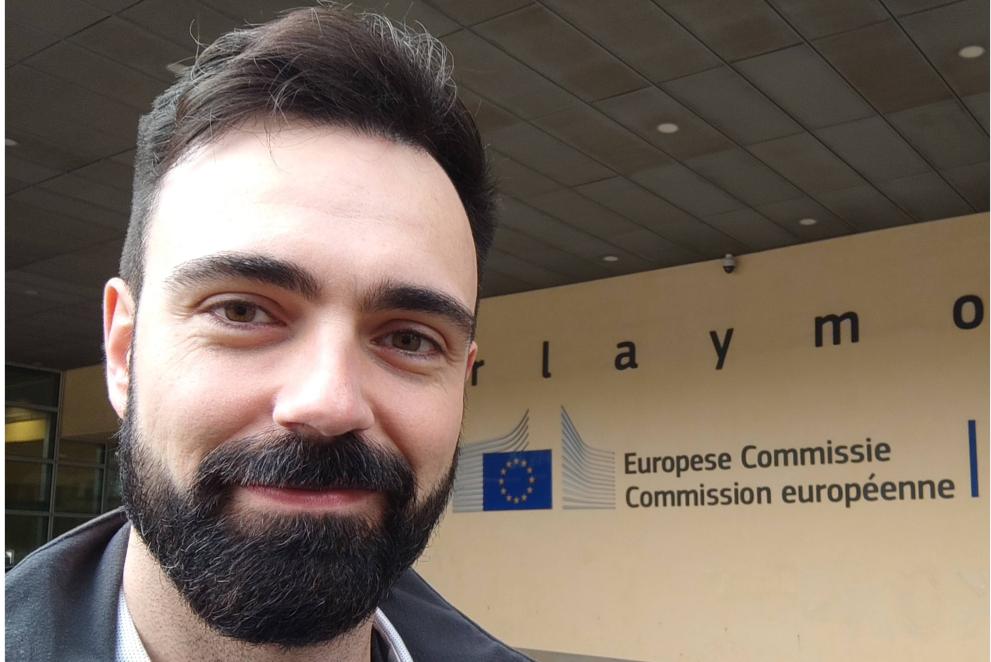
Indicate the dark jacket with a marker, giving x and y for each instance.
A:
(61, 605)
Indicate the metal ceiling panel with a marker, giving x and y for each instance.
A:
(99, 195)
(470, 12)
(91, 266)
(576, 62)
(69, 116)
(815, 18)
(488, 116)
(903, 7)
(978, 105)
(971, 181)
(944, 133)
(641, 111)
(883, 64)
(514, 178)
(532, 274)
(641, 34)
(18, 305)
(113, 6)
(126, 157)
(513, 242)
(413, 13)
(683, 188)
(603, 139)
(71, 208)
(582, 213)
(124, 42)
(874, 149)
(788, 213)
(807, 163)
(38, 151)
(801, 82)
(495, 283)
(183, 22)
(727, 101)
(34, 234)
(927, 197)
(740, 174)
(80, 66)
(751, 229)
(71, 15)
(254, 11)
(864, 208)
(54, 292)
(110, 173)
(26, 171)
(487, 70)
(23, 40)
(659, 251)
(734, 30)
(663, 219)
(534, 223)
(941, 32)
(53, 350)
(546, 154)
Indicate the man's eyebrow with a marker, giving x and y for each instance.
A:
(249, 266)
(403, 296)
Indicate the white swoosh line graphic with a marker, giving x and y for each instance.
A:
(589, 472)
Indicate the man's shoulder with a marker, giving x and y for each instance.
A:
(66, 588)
(434, 629)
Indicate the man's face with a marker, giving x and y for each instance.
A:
(301, 287)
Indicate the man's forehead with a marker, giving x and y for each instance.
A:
(306, 187)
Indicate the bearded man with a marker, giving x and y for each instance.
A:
(287, 346)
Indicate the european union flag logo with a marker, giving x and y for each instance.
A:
(516, 481)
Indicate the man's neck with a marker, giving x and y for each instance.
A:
(171, 632)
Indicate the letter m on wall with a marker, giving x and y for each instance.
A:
(836, 323)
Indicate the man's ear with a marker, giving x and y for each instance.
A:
(118, 331)
(472, 355)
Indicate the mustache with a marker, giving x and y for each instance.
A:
(287, 459)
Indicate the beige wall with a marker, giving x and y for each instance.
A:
(880, 580)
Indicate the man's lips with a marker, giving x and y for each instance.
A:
(308, 499)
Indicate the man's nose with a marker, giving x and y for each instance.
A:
(324, 391)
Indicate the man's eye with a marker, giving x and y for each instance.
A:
(411, 341)
(242, 312)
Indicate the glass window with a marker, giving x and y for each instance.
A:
(28, 433)
(34, 387)
(81, 451)
(28, 485)
(78, 489)
(24, 533)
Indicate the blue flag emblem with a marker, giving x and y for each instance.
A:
(516, 481)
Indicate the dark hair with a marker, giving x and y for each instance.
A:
(324, 65)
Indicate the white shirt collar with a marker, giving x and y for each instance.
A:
(130, 648)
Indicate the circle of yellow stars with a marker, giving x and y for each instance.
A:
(530, 480)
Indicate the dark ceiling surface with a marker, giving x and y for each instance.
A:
(859, 114)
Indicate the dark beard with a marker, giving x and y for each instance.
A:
(269, 578)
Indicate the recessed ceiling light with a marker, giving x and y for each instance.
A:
(610, 258)
(178, 68)
(971, 52)
(807, 221)
(667, 127)
(10, 142)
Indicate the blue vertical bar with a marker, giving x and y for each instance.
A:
(972, 428)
